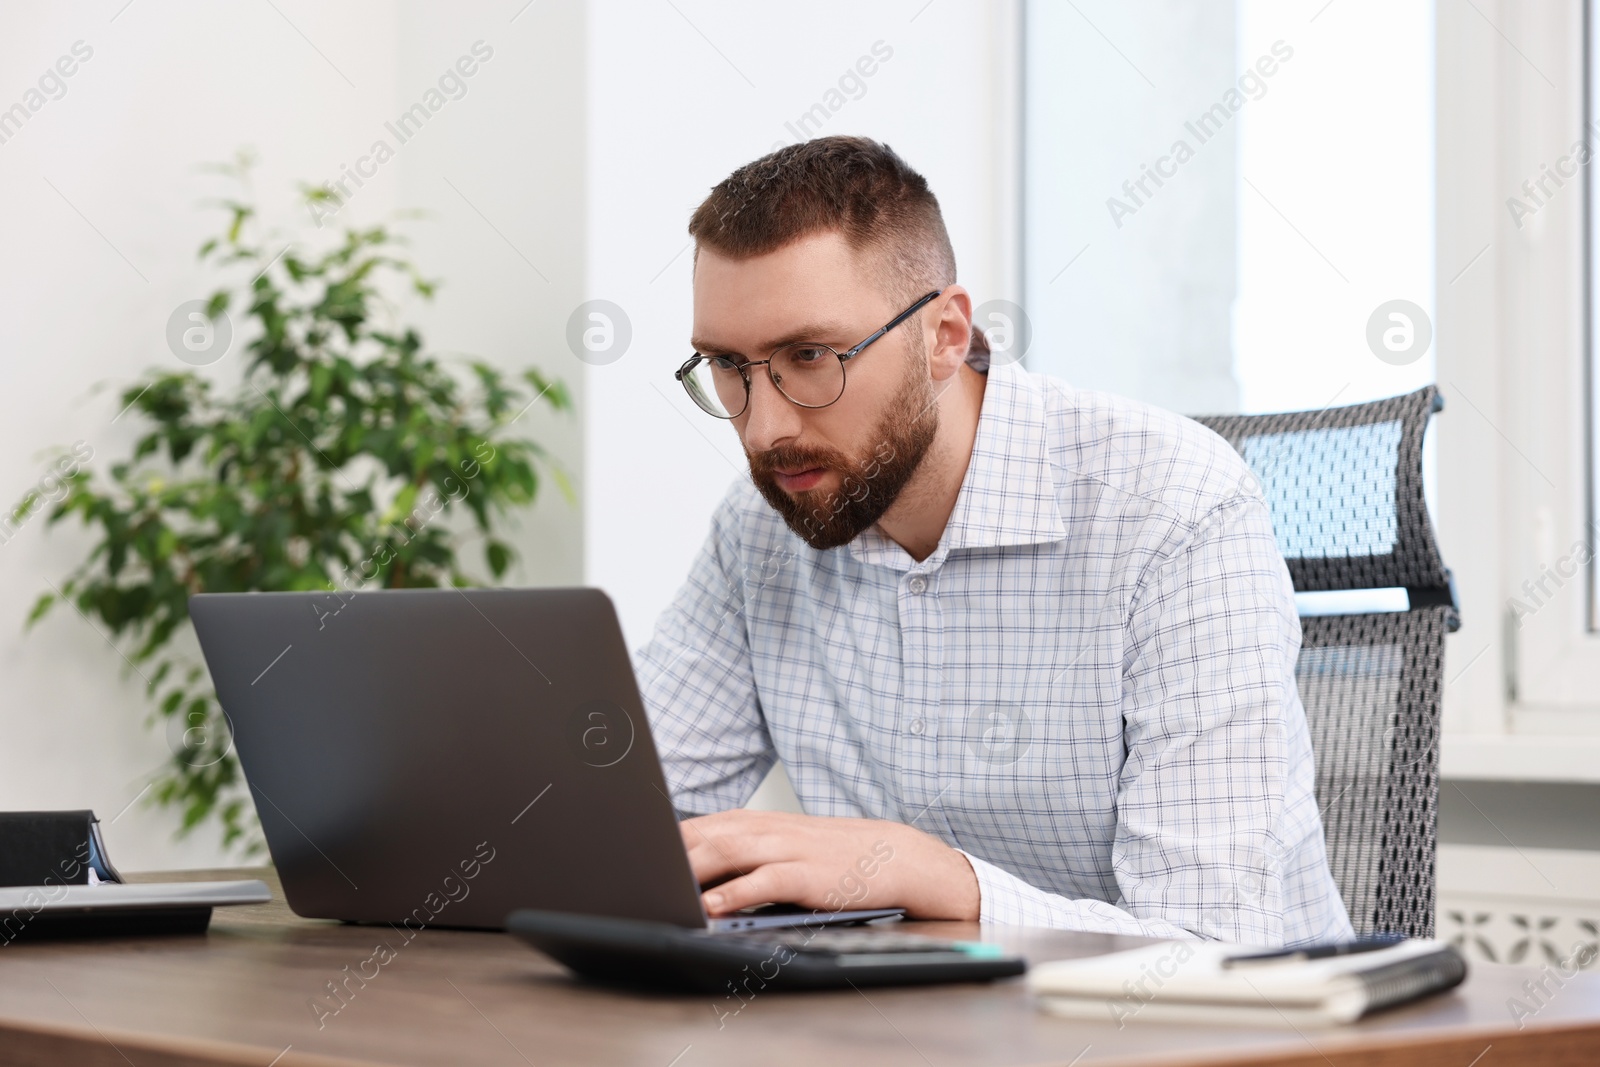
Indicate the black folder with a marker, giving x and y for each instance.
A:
(52, 848)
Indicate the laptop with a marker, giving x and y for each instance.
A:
(443, 757)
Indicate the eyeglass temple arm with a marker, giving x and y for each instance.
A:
(892, 323)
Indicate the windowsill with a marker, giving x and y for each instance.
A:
(1531, 876)
(1504, 757)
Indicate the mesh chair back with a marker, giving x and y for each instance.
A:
(1345, 489)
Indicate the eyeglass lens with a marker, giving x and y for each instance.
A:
(810, 375)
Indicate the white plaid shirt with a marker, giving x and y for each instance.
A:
(1088, 688)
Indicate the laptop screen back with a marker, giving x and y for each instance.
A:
(443, 757)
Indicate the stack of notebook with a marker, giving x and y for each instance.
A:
(1207, 982)
(56, 880)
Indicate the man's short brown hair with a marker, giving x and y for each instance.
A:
(854, 186)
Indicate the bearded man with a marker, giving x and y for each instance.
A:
(1026, 651)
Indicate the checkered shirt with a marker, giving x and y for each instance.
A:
(1088, 688)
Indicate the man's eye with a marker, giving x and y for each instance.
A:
(722, 365)
(805, 354)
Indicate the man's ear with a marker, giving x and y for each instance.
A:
(950, 334)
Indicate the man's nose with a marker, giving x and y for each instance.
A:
(769, 418)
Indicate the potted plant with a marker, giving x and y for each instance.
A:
(336, 463)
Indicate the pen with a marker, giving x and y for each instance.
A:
(1317, 952)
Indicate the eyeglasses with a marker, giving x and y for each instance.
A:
(808, 374)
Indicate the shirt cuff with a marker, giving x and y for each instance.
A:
(1002, 896)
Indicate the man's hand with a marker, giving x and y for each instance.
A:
(828, 864)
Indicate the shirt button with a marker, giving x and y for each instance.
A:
(917, 585)
(916, 726)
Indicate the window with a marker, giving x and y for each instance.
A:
(1217, 205)
(1517, 492)
(1587, 146)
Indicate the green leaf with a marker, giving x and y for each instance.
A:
(40, 607)
(499, 557)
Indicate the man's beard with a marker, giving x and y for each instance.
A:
(871, 483)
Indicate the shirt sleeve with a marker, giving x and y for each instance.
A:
(1005, 898)
(1208, 687)
(698, 687)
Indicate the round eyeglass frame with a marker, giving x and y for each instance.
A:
(682, 373)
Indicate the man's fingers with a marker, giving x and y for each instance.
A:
(772, 883)
(700, 829)
(732, 820)
(712, 862)
(733, 848)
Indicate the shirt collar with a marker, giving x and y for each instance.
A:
(1008, 496)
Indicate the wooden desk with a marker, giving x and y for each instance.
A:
(241, 994)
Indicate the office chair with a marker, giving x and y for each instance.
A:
(1345, 489)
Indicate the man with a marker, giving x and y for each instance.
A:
(1026, 652)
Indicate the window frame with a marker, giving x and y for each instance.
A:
(1516, 337)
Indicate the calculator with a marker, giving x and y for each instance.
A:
(666, 957)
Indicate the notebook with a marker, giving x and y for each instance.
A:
(1187, 981)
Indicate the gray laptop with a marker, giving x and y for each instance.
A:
(442, 757)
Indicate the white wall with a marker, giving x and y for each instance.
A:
(86, 286)
(512, 150)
